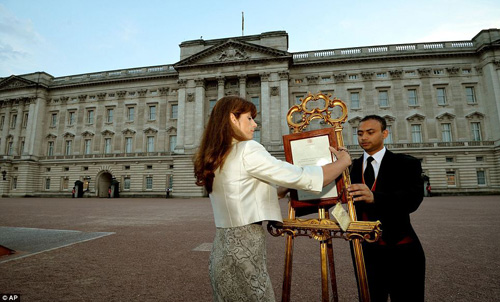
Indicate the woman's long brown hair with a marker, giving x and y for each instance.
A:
(216, 142)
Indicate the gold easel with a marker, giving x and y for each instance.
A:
(323, 229)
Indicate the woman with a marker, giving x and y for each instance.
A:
(241, 177)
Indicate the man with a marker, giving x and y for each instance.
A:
(388, 187)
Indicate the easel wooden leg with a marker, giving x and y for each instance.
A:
(287, 277)
(364, 294)
(324, 272)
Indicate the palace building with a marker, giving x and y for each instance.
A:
(134, 131)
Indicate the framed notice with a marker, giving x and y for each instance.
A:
(311, 148)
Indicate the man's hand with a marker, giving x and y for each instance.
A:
(361, 192)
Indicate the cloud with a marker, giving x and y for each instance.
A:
(18, 42)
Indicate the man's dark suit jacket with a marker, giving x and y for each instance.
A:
(399, 190)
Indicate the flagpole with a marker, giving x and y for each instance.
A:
(242, 23)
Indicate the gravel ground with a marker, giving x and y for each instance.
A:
(158, 249)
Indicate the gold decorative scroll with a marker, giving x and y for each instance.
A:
(316, 113)
(324, 229)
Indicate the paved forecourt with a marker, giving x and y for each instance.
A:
(158, 249)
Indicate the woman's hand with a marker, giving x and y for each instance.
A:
(342, 155)
(333, 170)
(282, 191)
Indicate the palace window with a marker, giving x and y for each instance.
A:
(354, 135)
(151, 144)
(25, 120)
(107, 145)
(476, 131)
(10, 148)
(412, 97)
(388, 139)
(446, 132)
(211, 104)
(2, 121)
(128, 145)
(50, 149)
(130, 114)
(53, 120)
(149, 182)
(355, 100)
(172, 142)
(71, 117)
(109, 115)
(87, 146)
(152, 112)
(126, 183)
(383, 98)
(470, 95)
(65, 183)
(47, 183)
(256, 101)
(481, 177)
(90, 116)
(441, 96)
(175, 111)
(13, 121)
(451, 178)
(68, 147)
(416, 133)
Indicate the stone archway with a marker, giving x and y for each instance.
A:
(103, 183)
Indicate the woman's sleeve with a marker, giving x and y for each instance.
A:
(261, 164)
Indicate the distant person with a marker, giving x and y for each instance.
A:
(429, 189)
(388, 187)
(241, 177)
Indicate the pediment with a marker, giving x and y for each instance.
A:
(232, 51)
(128, 131)
(150, 130)
(15, 82)
(445, 116)
(107, 132)
(354, 120)
(389, 118)
(87, 134)
(68, 135)
(416, 117)
(475, 115)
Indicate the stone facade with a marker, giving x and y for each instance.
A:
(136, 130)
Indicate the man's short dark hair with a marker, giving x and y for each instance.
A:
(377, 118)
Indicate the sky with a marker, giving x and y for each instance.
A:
(70, 37)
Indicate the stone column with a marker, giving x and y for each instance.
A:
(6, 126)
(18, 126)
(34, 127)
(265, 109)
(243, 86)
(220, 87)
(285, 104)
(199, 118)
(181, 102)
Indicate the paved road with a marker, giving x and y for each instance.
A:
(157, 250)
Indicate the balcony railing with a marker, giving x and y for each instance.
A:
(114, 74)
(383, 49)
